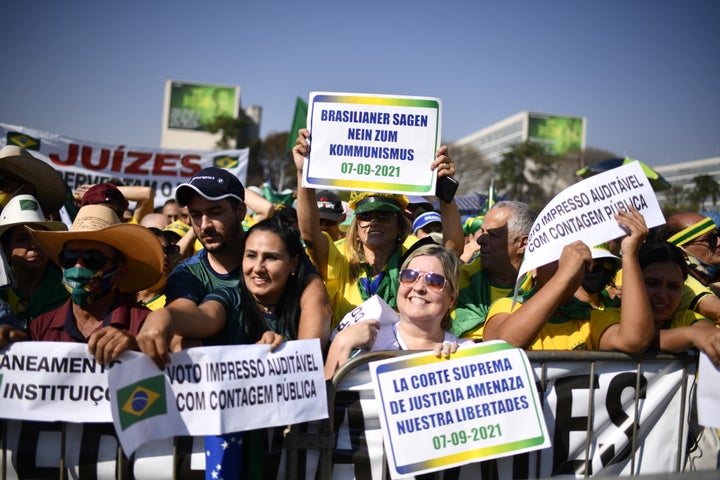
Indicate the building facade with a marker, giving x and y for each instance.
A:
(683, 175)
(561, 134)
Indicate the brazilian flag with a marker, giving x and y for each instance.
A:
(225, 161)
(141, 400)
(22, 140)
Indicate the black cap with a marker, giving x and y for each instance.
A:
(211, 183)
(329, 205)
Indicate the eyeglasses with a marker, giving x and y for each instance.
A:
(711, 238)
(434, 281)
(171, 250)
(381, 217)
(93, 259)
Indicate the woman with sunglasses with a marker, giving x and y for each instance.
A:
(367, 261)
(664, 272)
(427, 291)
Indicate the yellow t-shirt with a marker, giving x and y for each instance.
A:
(343, 292)
(496, 293)
(693, 292)
(683, 318)
(576, 334)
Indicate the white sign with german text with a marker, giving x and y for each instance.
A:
(378, 143)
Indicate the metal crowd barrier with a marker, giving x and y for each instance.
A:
(311, 450)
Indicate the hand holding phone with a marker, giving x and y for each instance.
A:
(445, 188)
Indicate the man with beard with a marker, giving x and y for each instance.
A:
(215, 199)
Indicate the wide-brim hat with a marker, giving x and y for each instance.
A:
(362, 202)
(142, 250)
(26, 210)
(49, 185)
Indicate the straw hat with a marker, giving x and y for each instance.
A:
(25, 210)
(49, 185)
(140, 247)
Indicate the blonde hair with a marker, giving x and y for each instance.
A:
(451, 270)
(354, 246)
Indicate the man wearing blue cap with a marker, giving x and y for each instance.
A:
(426, 224)
(215, 199)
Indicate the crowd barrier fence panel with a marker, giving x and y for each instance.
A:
(607, 414)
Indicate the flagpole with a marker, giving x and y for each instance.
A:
(491, 193)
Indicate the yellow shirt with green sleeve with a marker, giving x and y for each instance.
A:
(561, 333)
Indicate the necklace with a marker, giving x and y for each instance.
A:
(266, 308)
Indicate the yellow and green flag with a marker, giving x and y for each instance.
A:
(141, 400)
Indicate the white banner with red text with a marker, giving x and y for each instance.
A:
(83, 162)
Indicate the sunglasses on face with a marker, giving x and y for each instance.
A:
(434, 281)
(382, 217)
(711, 239)
(92, 259)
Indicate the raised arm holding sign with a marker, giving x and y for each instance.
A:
(367, 262)
(551, 318)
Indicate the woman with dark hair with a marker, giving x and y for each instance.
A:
(269, 305)
(271, 287)
(664, 271)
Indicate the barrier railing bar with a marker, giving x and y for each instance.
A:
(636, 418)
(326, 438)
(543, 385)
(3, 426)
(683, 413)
(63, 440)
(590, 418)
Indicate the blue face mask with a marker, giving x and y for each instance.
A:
(704, 269)
(77, 281)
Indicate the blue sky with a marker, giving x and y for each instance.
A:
(644, 73)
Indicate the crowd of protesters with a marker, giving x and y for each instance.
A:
(221, 265)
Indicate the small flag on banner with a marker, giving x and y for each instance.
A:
(141, 400)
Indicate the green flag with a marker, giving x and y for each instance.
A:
(141, 400)
(299, 121)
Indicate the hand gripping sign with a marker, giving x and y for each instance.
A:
(586, 211)
(437, 413)
(377, 143)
